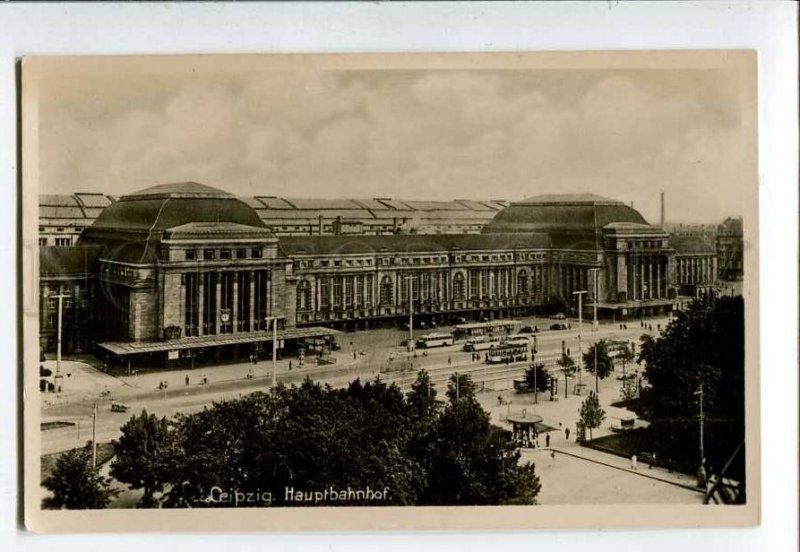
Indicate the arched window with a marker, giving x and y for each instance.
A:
(303, 296)
(387, 291)
(458, 287)
(522, 283)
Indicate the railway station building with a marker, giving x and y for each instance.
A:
(183, 270)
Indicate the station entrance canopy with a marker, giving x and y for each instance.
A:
(122, 348)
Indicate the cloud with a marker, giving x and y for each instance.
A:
(422, 134)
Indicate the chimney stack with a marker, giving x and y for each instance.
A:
(662, 210)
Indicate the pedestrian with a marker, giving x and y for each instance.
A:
(553, 454)
(547, 440)
(187, 379)
(566, 434)
(354, 355)
(449, 360)
(290, 365)
(633, 462)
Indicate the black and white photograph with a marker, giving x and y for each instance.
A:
(272, 284)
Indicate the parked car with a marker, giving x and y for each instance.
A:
(558, 326)
(559, 316)
(119, 407)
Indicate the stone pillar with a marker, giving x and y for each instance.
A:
(201, 303)
(252, 301)
(218, 299)
(235, 304)
(658, 278)
(635, 284)
(650, 278)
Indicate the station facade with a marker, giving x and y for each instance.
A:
(182, 269)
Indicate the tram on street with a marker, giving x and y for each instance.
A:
(435, 340)
(507, 352)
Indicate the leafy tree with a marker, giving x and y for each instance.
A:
(537, 377)
(626, 356)
(702, 345)
(139, 455)
(460, 387)
(591, 413)
(468, 461)
(75, 484)
(422, 397)
(603, 360)
(629, 389)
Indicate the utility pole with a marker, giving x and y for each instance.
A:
(701, 471)
(59, 378)
(535, 387)
(410, 278)
(274, 320)
(595, 274)
(94, 437)
(580, 295)
(596, 377)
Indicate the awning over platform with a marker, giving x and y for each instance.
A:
(198, 342)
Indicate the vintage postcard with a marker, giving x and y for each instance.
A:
(386, 292)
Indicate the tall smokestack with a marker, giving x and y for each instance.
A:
(662, 210)
(631, 204)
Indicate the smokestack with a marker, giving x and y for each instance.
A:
(631, 204)
(662, 210)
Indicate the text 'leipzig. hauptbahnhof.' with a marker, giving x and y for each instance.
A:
(185, 269)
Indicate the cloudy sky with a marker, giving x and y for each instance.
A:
(414, 134)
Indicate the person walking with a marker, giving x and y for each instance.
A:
(566, 434)
(449, 361)
(290, 365)
(547, 440)
(633, 462)
(187, 379)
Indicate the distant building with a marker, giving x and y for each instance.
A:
(730, 249)
(181, 270)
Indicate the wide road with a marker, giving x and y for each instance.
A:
(364, 355)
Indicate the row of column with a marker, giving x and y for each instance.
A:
(245, 296)
(695, 270)
(647, 277)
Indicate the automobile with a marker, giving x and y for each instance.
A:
(559, 316)
(528, 330)
(558, 326)
(119, 407)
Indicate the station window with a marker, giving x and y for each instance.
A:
(62, 242)
(256, 253)
(190, 254)
(42, 242)
(224, 253)
(208, 254)
(241, 253)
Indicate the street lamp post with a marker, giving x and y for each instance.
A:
(410, 280)
(274, 320)
(58, 377)
(595, 274)
(580, 295)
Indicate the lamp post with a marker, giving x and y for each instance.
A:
(274, 320)
(595, 275)
(410, 279)
(701, 471)
(580, 330)
(59, 379)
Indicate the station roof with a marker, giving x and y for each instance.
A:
(399, 243)
(67, 261)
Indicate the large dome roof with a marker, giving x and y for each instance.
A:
(570, 219)
(132, 228)
(169, 205)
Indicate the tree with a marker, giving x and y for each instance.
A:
(591, 413)
(537, 378)
(139, 455)
(460, 387)
(703, 344)
(626, 356)
(602, 360)
(468, 461)
(75, 484)
(422, 397)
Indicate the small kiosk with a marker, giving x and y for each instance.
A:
(524, 429)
